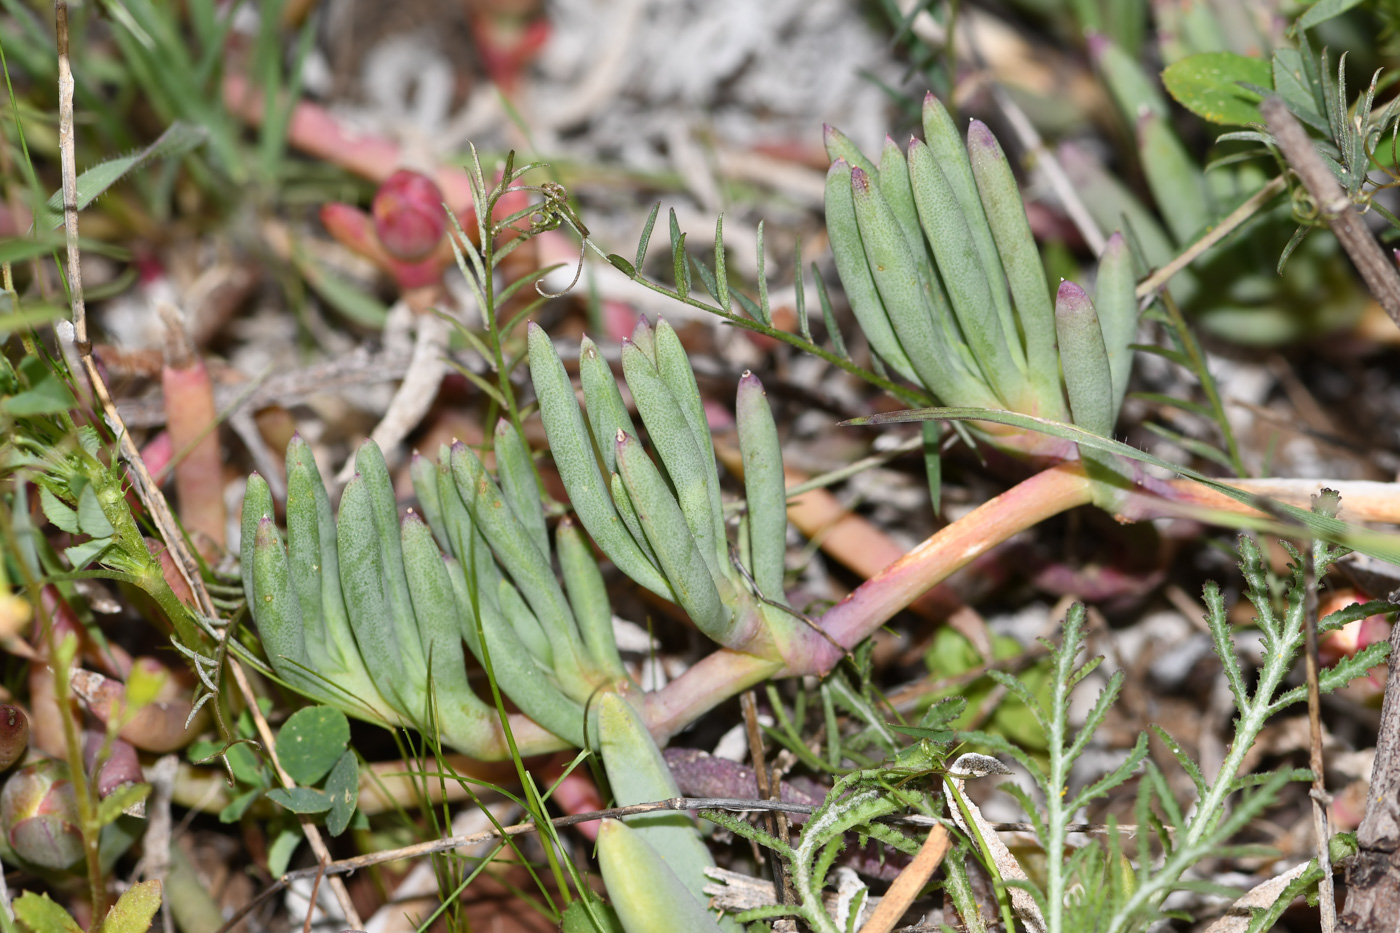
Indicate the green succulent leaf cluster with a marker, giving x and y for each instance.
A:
(661, 520)
(368, 612)
(937, 258)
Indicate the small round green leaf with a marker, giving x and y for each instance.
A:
(311, 741)
(300, 799)
(1208, 86)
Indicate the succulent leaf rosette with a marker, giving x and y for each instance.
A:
(937, 260)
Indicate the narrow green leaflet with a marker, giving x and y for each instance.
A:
(1208, 85)
(1324, 10)
(177, 140)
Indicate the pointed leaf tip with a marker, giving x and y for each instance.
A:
(980, 135)
(860, 181)
(1071, 295)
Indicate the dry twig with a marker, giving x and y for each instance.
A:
(1334, 206)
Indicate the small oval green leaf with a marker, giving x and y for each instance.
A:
(311, 742)
(1208, 86)
(301, 799)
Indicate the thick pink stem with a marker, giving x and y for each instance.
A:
(875, 601)
(193, 422)
(314, 131)
(1362, 500)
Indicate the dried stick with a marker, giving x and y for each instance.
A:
(1148, 286)
(149, 493)
(1327, 901)
(910, 882)
(749, 704)
(1334, 206)
(1373, 874)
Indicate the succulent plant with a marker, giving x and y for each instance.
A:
(937, 259)
(39, 815)
(14, 735)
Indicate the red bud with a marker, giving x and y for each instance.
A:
(408, 215)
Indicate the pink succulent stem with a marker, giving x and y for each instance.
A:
(155, 727)
(192, 420)
(875, 601)
(314, 131)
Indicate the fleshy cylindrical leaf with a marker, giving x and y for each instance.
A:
(764, 487)
(1020, 260)
(1085, 362)
(840, 148)
(1115, 301)
(638, 773)
(666, 528)
(674, 442)
(588, 594)
(1113, 206)
(1133, 89)
(891, 262)
(532, 635)
(854, 271)
(388, 638)
(460, 712)
(1177, 183)
(899, 195)
(573, 456)
(644, 338)
(304, 558)
(964, 276)
(950, 155)
(302, 470)
(607, 413)
(257, 505)
(628, 512)
(519, 484)
(528, 568)
(531, 687)
(673, 366)
(423, 472)
(645, 892)
(379, 487)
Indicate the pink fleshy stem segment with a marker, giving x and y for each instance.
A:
(875, 601)
(1362, 500)
(155, 727)
(314, 131)
(192, 421)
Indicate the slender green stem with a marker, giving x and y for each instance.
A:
(1198, 364)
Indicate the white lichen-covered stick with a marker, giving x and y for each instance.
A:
(973, 765)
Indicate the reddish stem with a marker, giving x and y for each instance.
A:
(314, 131)
(192, 419)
